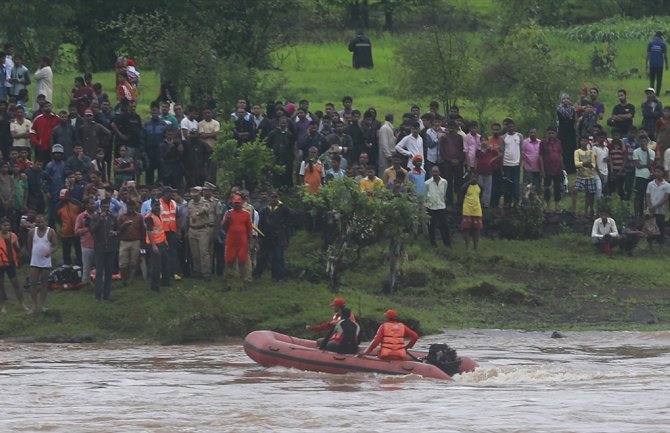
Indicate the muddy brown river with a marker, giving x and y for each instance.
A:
(526, 382)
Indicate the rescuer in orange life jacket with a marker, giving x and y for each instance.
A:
(338, 305)
(392, 336)
(344, 337)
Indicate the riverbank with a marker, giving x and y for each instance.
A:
(557, 283)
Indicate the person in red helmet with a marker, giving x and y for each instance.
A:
(391, 335)
(338, 305)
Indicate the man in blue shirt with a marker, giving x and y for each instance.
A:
(656, 57)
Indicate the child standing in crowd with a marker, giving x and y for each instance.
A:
(472, 222)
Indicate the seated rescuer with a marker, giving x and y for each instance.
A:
(392, 336)
(344, 338)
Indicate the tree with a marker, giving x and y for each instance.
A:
(247, 165)
(358, 220)
(433, 64)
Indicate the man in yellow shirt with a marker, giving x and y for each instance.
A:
(585, 161)
(368, 183)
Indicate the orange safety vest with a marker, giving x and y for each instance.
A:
(4, 247)
(393, 340)
(157, 233)
(169, 215)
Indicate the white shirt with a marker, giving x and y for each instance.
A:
(602, 153)
(9, 65)
(436, 193)
(512, 143)
(43, 84)
(411, 146)
(600, 230)
(657, 192)
(190, 125)
(433, 154)
(386, 139)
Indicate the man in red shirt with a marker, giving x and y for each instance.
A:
(392, 335)
(40, 134)
(338, 305)
(551, 167)
(238, 227)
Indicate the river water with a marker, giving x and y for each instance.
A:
(526, 382)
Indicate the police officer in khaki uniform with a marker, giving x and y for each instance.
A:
(208, 189)
(199, 231)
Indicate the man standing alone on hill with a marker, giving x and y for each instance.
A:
(361, 48)
(656, 56)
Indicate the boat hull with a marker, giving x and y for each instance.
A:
(271, 349)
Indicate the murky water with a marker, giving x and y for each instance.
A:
(527, 382)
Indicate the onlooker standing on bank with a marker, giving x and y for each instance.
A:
(131, 233)
(105, 230)
(657, 55)
(42, 242)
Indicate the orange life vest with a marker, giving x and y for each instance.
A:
(158, 234)
(393, 340)
(4, 248)
(169, 215)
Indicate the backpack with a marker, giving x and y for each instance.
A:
(443, 357)
(65, 277)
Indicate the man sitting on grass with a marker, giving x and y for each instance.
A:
(604, 234)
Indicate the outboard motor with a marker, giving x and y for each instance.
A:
(443, 357)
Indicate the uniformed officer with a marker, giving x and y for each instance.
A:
(199, 233)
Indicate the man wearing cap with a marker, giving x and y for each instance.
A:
(657, 55)
(238, 227)
(652, 110)
(391, 335)
(208, 189)
(42, 129)
(199, 233)
(157, 241)
(170, 223)
(92, 135)
(338, 305)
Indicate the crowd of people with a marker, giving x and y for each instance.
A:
(126, 194)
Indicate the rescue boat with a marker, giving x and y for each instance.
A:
(269, 349)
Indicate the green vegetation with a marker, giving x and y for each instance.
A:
(556, 283)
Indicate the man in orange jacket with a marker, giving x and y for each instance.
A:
(392, 335)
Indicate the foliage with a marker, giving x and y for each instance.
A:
(602, 59)
(527, 222)
(614, 29)
(220, 48)
(356, 220)
(528, 87)
(248, 165)
(618, 209)
(432, 64)
(35, 28)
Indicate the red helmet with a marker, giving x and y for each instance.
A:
(391, 314)
(338, 302)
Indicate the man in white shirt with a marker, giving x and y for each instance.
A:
(188, 125)
(604, 234)
(602, 161)
(386, 144)
(512, 162)
(658, 192)
(436, 205)
(433, 144)
(411, 145)
(43, 82)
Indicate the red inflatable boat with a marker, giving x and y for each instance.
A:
(271, 349)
